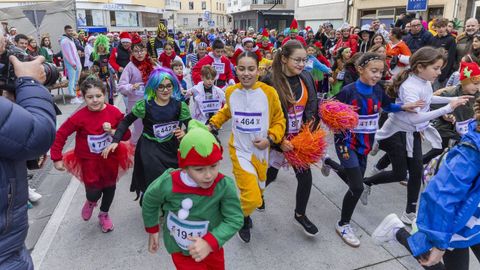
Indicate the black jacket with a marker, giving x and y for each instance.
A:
(419, 40)
(449, 44)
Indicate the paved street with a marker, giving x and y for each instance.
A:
(68, 242)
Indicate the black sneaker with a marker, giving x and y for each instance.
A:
(308, 227)
(244, 232)
(262, 207)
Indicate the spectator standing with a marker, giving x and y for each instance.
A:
(46, 49)
(418, 36)
(465, 39)
(444, 40)
(71, 61)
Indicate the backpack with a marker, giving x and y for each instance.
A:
(431, 169)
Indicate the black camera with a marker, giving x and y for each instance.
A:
(7, 74)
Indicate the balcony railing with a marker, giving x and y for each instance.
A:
(267, 2)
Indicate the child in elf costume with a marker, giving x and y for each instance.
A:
(200, 204)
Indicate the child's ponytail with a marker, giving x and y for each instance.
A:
(424, 57)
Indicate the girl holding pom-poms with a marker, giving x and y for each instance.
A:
(297, 92)
(94, 125)
(162, 114)
(368, 98)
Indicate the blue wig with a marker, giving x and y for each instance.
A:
(158, 75)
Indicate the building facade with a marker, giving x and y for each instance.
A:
(272, 14)
(194, 14)
(362, 12)
(313, 13)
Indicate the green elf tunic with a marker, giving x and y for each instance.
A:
(213, 214)
(156, 150)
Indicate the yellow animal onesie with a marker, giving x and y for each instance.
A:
(255, 113)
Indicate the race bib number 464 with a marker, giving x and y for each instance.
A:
(180, 229)
(247, 122)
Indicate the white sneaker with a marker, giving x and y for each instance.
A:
(375, 149)
(375, 170)
(347, 235)
(33, 196)
(386, 230)
(408, 218)
(325, 170)
(366, 192)
(76, 100)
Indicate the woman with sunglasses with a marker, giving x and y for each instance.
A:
(162, 115)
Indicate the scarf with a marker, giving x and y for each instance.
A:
(145, 67)
(167, 60)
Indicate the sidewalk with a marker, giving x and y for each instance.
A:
(277, 243)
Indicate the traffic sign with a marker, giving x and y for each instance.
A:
(417, 5)
(206, 15)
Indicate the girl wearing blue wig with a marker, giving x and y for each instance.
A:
(162, 114)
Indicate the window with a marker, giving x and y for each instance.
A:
(124, 18)
(90, 17)
(180, 5)
(150, 19)
(190, 5)
(217, 5)
(204, 5)
(199, 21)
(185, 21)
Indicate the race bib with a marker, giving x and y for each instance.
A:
(96, 143)
(182, 229)
(462, 127)
(163, 131)
(367, 124)
(159, 51)
(210, 106)
(247, 122)
(309, 64)
(140, 91)
(219, 67)
(295, 120)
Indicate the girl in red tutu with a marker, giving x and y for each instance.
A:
(94, 125)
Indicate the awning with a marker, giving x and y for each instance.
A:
(278, 13)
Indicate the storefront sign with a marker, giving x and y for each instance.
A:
(113, 7)
(417, 5)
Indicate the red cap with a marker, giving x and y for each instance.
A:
(125, 37)
(469, 72)
(136, 39)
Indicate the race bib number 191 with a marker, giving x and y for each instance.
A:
(180, 229)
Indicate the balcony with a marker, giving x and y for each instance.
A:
(267, 2)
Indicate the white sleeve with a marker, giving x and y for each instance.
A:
(442, 100)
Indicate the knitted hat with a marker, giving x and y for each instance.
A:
(469, 72)
(125, 37)
(294, 26)
(136, 39)
(265, 35)
(198, 147)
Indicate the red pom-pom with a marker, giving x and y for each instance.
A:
(338, 116)
(309, 147)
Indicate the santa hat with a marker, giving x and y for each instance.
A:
(198, 147)
(109, 35)
(308, 29)
(125, 37)
(265, 35)
(247, 39)
(136, 39)
(469, 73)
(294, 26)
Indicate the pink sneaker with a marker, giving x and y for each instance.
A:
(105, 222)
(88, 209)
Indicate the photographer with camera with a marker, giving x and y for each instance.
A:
(27, 130)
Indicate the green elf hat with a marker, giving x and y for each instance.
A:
(198, 147)
(294, 26)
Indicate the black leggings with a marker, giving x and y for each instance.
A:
(304, 186)
(93, 195)
(395, 146)
(435, 152)
(457, 259)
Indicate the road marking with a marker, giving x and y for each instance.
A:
(46, 238)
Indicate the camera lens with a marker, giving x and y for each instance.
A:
(51, 73)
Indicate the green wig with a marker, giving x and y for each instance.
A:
(101, 40)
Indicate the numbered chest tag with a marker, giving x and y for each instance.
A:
(367, 124)
(96, 143)
(462, 127)
(182, 229)
(219, 67)
(210, 106)
(309, 64)
(295, 120)
(140, 91)
(164, 131)
(247, 122)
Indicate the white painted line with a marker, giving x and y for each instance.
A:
(46, 238)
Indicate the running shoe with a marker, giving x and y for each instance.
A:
(308, 227)
(405, 182)
(408, 218)
(386, 230)
(347, 235)
(244, 232)
(325, 170)
(375, 149)
(262, 207)
(87, 210)
(366, 192)
(33, 196)
(375, 170)
(105, 222)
